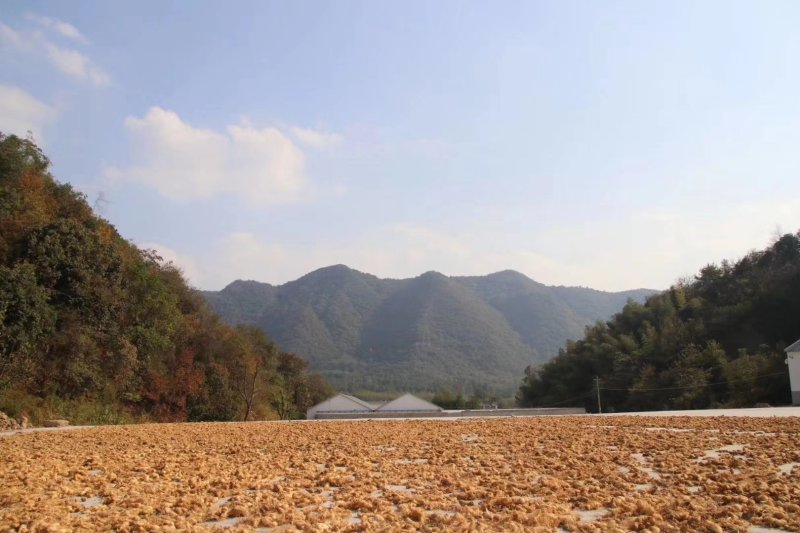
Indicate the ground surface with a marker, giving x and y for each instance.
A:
(755, 411)
(556, 473)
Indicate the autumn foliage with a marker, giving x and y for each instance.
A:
(86, 317)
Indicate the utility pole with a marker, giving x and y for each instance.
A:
(597, 384)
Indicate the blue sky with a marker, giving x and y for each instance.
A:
(605, 144)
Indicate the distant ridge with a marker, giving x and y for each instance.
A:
(422, 333)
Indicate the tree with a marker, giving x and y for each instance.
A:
(253, 367)
(281, 397)
(26, 319)
(90, 319)
(716, 339)
(172, 389)
(293, 389)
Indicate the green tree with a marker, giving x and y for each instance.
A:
(104, 327)
(713, 340)
(26, 321)
(254, 367)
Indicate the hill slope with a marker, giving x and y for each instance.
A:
(96, 330)
(718, 339)
(431, 331)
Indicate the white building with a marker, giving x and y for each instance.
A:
(341, 403)
(345, 406)
(793, 360)
(410, 404)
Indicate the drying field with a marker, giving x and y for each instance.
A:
(522, 474)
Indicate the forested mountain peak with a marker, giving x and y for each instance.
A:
(419, 333)
(431, 278)
(339, 270)
(334, 275)
(243, 286)
(503, 283)
(510, 275)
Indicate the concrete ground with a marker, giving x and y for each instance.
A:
(40, 430)
(757, 412)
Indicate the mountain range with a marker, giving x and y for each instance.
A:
(364, 333)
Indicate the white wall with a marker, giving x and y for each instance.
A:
(794, 376)
(408, 402)
(339, 404)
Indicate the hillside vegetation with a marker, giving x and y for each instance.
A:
(94, 329)
(422, 334)
(715, 340)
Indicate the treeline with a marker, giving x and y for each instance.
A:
(480, 398)
(715, 340)
(96, 329)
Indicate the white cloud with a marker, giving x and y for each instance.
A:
(395, 251)
(317, 139)
(654, 248)
(69, 61)
(77, 65)
(20, 112)
(13, 38)
(423, 241)
(650, 249)
(64, 29)
(262, 166)
(250, 258)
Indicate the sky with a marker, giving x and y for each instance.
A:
(614, 144)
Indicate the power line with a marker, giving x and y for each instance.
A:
(591, 393)
(709, 369)
(636, 389)
(583, 396)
